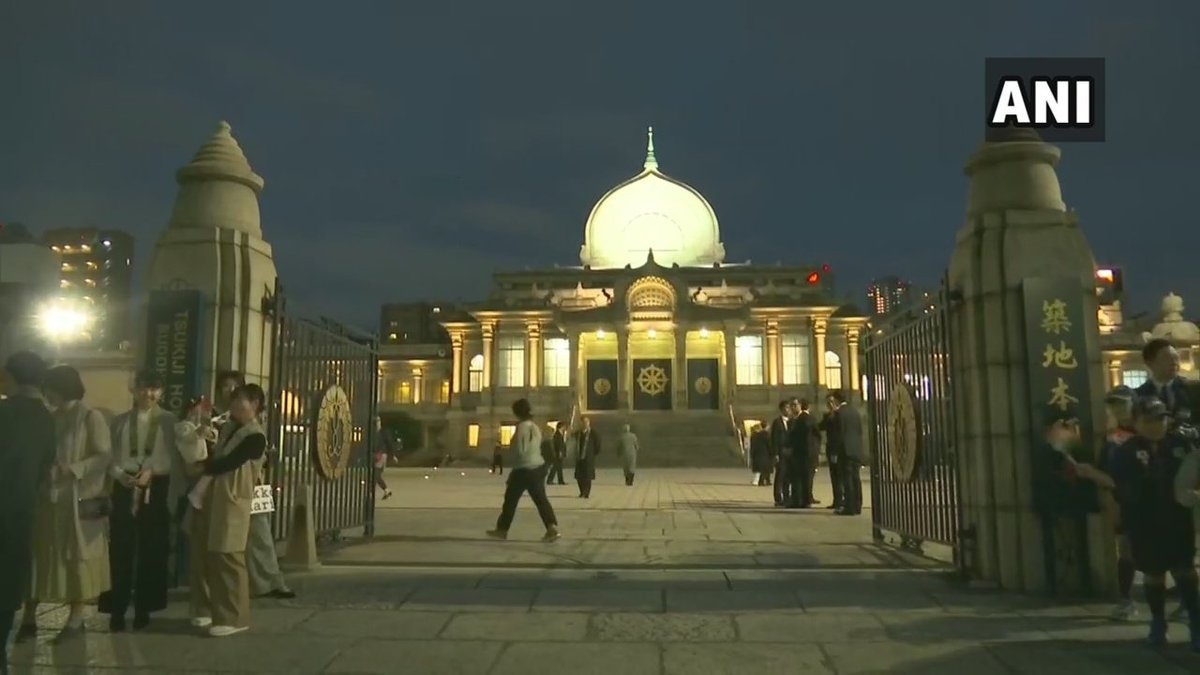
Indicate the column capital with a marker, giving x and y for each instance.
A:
(456, 340)
(820, 325)
(772, 327)
(533, 327)
(488, 328)
(853, 333)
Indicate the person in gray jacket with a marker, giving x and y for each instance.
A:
(854, 454)
(627, 449)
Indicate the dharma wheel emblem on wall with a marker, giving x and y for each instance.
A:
(335, 433)
(903, 433)
(602, 386)
(703, 385)
(652, 380)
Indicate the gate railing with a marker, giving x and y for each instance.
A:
(310, 357)
(910, 401)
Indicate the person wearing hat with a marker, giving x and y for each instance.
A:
(1160, 529)
(1118, 408)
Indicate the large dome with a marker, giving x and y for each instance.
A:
(652, 212)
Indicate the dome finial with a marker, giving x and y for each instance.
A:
(651, 162)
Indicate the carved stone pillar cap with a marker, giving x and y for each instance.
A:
(221, 158)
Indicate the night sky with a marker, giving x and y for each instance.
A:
(408, 153)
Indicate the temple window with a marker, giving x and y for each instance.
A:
(507, 431)
(796, 358)
(557, 363)
(444, 392)
(1134, 378)
(511, 361)
(404, 392)
(475, 373)
(749, 359)
(833, 370)
(473, 435)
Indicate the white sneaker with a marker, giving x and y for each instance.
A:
(1126, 611)
(201, 621)
(226, 631)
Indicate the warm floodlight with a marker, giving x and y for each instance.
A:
(63, 320)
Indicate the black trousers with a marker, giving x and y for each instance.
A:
(498, 464)
(800, 476)
(629, 478)
(852, 497)
(835, 479)
(521, 481)
(379, 481)
(138, 551)
(783, 486)
(585, 486)
(556, 470)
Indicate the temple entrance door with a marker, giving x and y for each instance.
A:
(602, 384)
(652, 384)
(704, 384)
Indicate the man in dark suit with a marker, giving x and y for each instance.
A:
(834, 451)
(800, 439)
(780, 452)
(1162, 361)
(558, 453)
(27, 451)
(588, 446)
(853, 451)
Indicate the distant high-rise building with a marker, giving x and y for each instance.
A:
(412, 323)
(887, 294)
(97, 271)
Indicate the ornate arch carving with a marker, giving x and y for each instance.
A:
(651, 294)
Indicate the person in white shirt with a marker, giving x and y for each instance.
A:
(528, 474)
(139, 527)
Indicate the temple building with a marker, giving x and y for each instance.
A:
(1122, 339)
(654, 328)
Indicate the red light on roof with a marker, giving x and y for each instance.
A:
(825, 268)
(814, 278)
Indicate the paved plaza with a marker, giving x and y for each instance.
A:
(688, 573)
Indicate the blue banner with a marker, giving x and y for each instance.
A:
(172, 346)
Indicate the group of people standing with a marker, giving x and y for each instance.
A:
(787, 455)
(90, 507)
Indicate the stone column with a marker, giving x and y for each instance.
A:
(680, 387)
(855, 383)
(729, 381)
(214, 244)
(418, 385)
(574, 358)
(820, 325)
(456, 369)
(774, 354)
(489, 332)
(1017, 227)
(533, 353)
(1115, 376)
(624, 398)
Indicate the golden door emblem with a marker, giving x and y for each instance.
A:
(903, 433)
(335, 431)
(652, 380)
(602, 386)
(703, 385)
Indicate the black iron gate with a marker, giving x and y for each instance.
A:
(324, 378)
(910, 401)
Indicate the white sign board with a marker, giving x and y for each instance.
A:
(264, 500)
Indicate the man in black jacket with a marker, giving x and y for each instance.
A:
(800, 438)
(834, 451)
(780, 452)
(1162, 362)
(558, 453)
(27, 451)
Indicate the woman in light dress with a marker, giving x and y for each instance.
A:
(70, 548)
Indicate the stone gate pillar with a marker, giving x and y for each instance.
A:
(214, 244)
(1017, 228)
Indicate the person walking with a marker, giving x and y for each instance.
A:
(854, 454)
(140, 525)
(587, 446)
(70, 547)
(385, 447)
(220, 526)
(27, 452)
(627, 449)
(558, 454)
(526, 475)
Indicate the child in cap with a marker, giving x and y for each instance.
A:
(1160, 529)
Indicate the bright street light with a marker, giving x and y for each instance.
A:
(62, 320)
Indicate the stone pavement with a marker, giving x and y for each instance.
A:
(573, 616)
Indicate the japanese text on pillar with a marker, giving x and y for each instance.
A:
(1060, 357)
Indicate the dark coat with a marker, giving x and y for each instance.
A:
(760, 451)
(800, 437)
(850, 426)
(778, 437)
(27, 452)
(560, 446)
(834, 447)
(1160, 529)
(1177, 399)
(588, 446)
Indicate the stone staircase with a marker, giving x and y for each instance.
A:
(685, 438)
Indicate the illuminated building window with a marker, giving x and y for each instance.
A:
(473, 435)
(506, 433)
(749, 359)
(444, 392)
(1134, 378)
(796, 359)
(404, 392)
(64, 284)
(475, 373)
(557, 361)
(511, 361)
(833, 370)
(392, 337)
